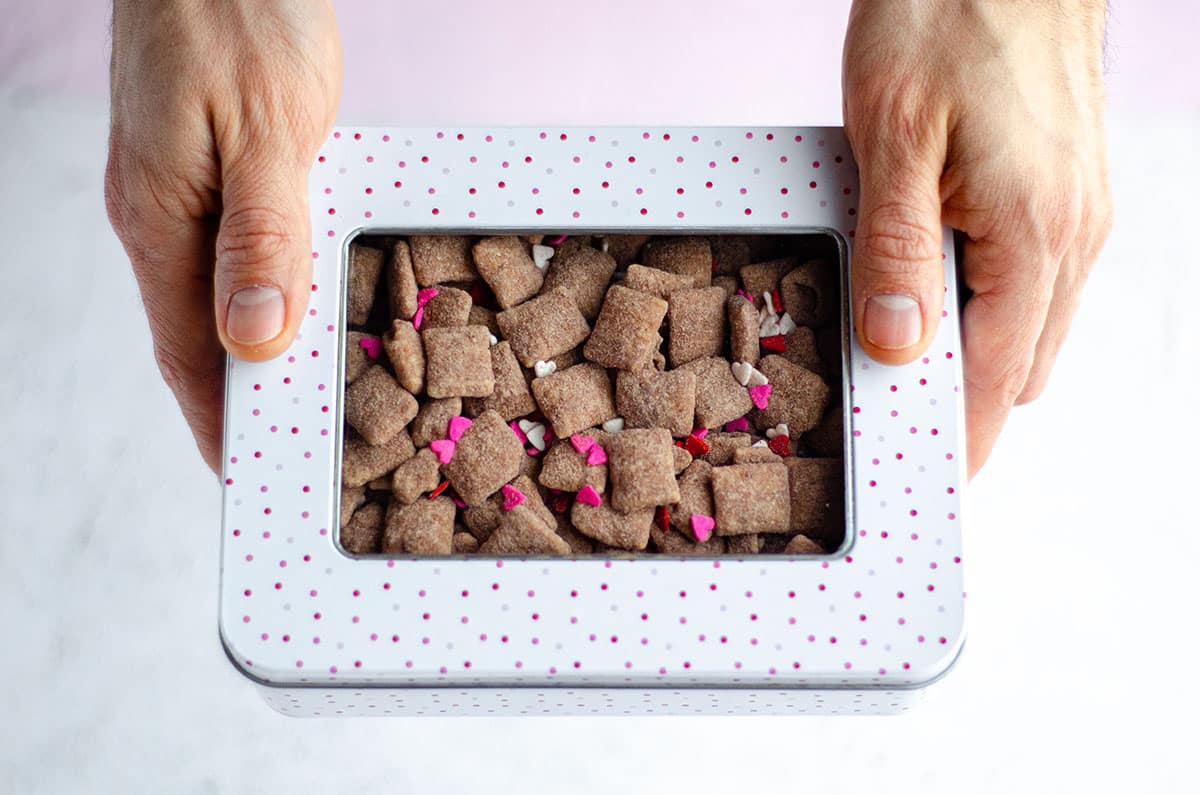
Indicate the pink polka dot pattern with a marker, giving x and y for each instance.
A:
(857, 630)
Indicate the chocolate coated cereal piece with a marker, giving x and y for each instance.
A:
(584, 274)
(362, 534)
(361, 280)
(505, 264)
(658, 283)
(543, 327)
(378, 407)
(432, 420)
(416, 476)
(458, 362)
(721, 446)
(463, 543)
(730, 253)
(801, 348)
(798, 396)
(423, 528)
(352, 500)
(625, 329)
(810, 293)
(486, 457)
(764, 277)
(719, 397)
(450, 307)
(675, 542)
(576, 398)
(577, 541)
(653, 399)
(567, 470)
(817, 501)
(626, 249)
(755, 455)
(687, 255)
(363, 462)
(401, 282)
(568, 359)
(697, 324)
(729, 284)
(441, 258)
(406, 352)
(510, 397)
(642, 469)
(683, 459)
(381, 483)
(751, 498)
(695, 497)
(827, 439)
(773, 543)
(628, 531)
(522, 532)
(357, 359)
(747, 544)
(479, 316)
(803, 545)
(743, 330)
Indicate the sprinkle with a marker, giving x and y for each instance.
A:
(760, 394)
(492, 339)
(440, 488)
(371, 345)
(444, 448)
(741, 371)
(520, 433)
(779, 430)
(426, 295)
(775, 342)
(478, 295)
(541, 256)
(560, 503)
(702, 526)
(532, 451)
(664, 518)
(738, 425)
(457, 426)
(526, 424)
(786, 324)
(512, 496)
(776, 301)
(769, 328)
(615, 425)
(781, 445)
(756, 378)
(695, 446)
(769, 302)
(588, 496)
(582, 443)
(604, 244)
(597, 456)
(700, 433)
(459, 501)
(537, 436)
(556, 240)
(542, 369)
(760, 443)
(418, 318)
(745, 295)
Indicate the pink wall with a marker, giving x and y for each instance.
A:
(652, 61)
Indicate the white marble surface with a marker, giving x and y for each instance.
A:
(1081, 553)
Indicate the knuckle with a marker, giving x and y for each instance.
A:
(253, 238)
(897, 240)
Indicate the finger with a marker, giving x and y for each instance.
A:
(1001, 325)
(896, 272)
(171, 250)
(263, 256)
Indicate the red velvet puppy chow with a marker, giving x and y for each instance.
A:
(567, 469)
(697, 324)
(406, 352)
(424, 527)
(510, 397)
(743, 330)
(626, 329)
(364, 532)
(576, 398)
(816, 497)
(441, 258)
(628, 531)
(722, 445)
(642, 469)
(751, 498)
(719, 397)
(657, 282)
(450, 307)
(653, 399)
(416, 476)
(401, 282)
(358, 360)
(811, 294)
(363, 462)
(585, 274)
(690, 256)
(798, 396)
(543, 327)
(378, 407)
(361, 280)
(487, 456)
(521, 531)
(458, 362)
(431, 421)
(504, 263)
(625, 249)
(695, 497)
(763, 277)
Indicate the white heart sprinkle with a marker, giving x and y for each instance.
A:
(604, 244)
(525, 425)
(778, 430)
(542, 255)
(756, 378)
(786, 324)
(492, 339)
(768, 304)
(615, 425)
(760, 443)
(537, 436)
(741, 371)
(768, 328)
(542, 369)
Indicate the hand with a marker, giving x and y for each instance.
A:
(986, 116)
(218, 109)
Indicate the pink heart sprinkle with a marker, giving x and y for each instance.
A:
(371, 345)
(418, 318)
(520, 433)
(532, 451)
(556, 240)
(760, 395)
(746, 295)
(459, 501)
(582, 443)
(512, 496)
(444, 448)
(738, 425)
(457, 427)
(588, 496)
(702, 526)
(700, 433)
(426, 295)
(597, 456)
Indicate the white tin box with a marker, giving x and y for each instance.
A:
(859, 631)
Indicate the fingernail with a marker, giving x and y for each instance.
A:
(256, 315)
(892, 321)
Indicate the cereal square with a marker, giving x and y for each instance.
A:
(577, 541)
(743, 330)
(625, 329)
(653, 399)
(747, 544)
(719, 397)
(690, 256)
(751, 498)
(800, 347)
(817, 498)
(625, 249)
(565, 469)
(576, 398)
(755, 455)
(798, 396)
(377, 406)
(828, 438)
(642, 469)
(432, 420)
(722, 445)
(697, 324)
(458, 362)
(628, 531)
(763, 277)
(510, 397)
(811, 293)
(481, 520)
(480, 316)
(675, 542)
(363, 533)
(424, 527)
(730, 253)
(352, 500)
(463, 543)
(521, 531)
(486, 457)
(543, 327)
(801, 544)
(585, 274)
(729, 284)
(683, 459)
(416, 476)
(401, 282)
(695, 497)
(363, 462)
(358, 361)
(658, 283)
(505, 264)
(406, 352)
(441, 258)
(362, 278)
(450, 307)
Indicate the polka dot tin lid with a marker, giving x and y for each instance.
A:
(886, 611)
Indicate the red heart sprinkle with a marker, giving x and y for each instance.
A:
(775, 342)
(695, 445)
(780, 446)
(440, 488)
(776, 301)
(664, 518)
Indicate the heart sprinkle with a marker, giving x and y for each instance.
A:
(512, 496)
(457, 427)
(541, 256)
(664, 518)
(775, 342)
(695, 446)
(582, 443)
(557, 240)
(781, 445)
(542, 369)
(779, 430)
(444, 449)
(371, 345)
(738, 425)
(597, 456)
(520, 433)
(741, 371)
(537, 436)
(439, 489)
(615, 425)
(700, 433)
(756, 378)
(702, 526)
(760, 394)
(419, 318)
(588, 496)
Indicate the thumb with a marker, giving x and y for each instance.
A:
(264, 265)
(896, 273)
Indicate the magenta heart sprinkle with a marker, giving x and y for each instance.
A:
(597, 456)
(457, 427)
(702, 526)
(512, 496)
(588, 496)
(582, 443)
(372, 346)
(443, 448)
(738, 425)
(760, 394)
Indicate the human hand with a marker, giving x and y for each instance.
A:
(988, 117)
(218, 109)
